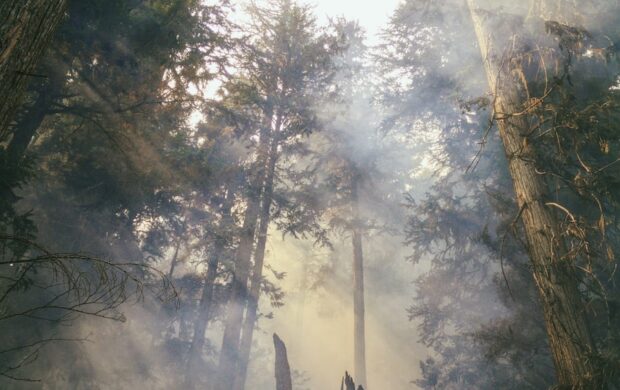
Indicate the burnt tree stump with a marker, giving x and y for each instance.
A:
(282, 368)
(348, 384)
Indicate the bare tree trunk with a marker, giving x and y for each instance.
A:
(175, 258)
(229, 354)
(193, 368)
(282, 368)
(569, 337)
(26, 27)
(300, 308)
(257, 273)
(359, 341)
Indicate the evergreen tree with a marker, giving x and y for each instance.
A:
(284, 65)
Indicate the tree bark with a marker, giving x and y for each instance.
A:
(229, 354)
(30, 121)
(555, 277)
(282, 368)
(26, 27)
(359, 341)
(257, 273)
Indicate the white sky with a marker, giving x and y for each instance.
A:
(373, 15)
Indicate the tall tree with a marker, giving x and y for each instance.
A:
(552, 66)
(360, 174)
(569, 337)
(220, 239)
(286, 62)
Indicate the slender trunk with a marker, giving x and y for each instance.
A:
(569, 338)
(163, 325)
(257, 273)
(301, 306)
(229, 353)
(359, 341)
(26, 27)
(194, 359)
(282, 367)
(193, 368)
(175, 258)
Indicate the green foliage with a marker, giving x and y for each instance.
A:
(110, 171)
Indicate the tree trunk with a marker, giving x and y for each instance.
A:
(257, 272)
(23, 132)
(359, 341)
(175, 258)
(282, 368)
(30, 121)
(557, 283)
(229, 354)
(193, 369)
(26, 27)
(27, 127)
